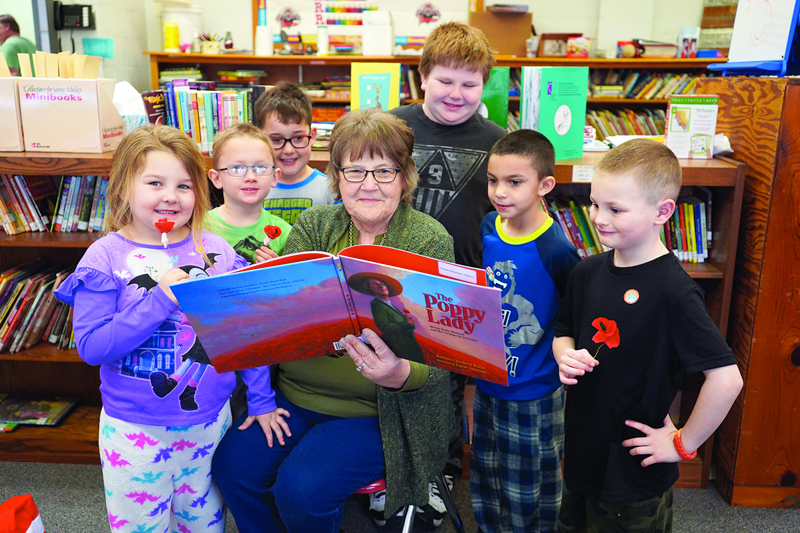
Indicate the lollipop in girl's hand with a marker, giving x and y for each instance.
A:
(164, 226)
(273, 232)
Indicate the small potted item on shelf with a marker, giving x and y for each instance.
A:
(209, 43)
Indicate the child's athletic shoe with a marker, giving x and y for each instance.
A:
(377, 508)
(377, 504)
(435, 510)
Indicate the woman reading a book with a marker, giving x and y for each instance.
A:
(361, 416)
(396, 325)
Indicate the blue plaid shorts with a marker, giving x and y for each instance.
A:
(515, 466)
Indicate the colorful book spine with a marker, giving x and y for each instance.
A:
(586, 236)
(208, 102)
(62, 200)
(576, 234)
(95, 199)
(69, 208)
(688, 210)
(17, 204)
(195, 119)
(30, 205)
(84, 211)
(101, 204)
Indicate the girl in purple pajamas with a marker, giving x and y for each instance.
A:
(165, 408)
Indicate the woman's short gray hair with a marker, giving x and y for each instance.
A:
(373, 132)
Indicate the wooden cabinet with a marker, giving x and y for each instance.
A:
(44, 369)
(758, 445)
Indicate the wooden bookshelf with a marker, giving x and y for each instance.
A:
(299, 68)
(757, 449)
(44, 369)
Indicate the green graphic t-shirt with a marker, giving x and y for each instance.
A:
(247, 239)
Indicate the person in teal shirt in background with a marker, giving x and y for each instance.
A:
(12, 44)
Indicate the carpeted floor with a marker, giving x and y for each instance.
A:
(70, 500)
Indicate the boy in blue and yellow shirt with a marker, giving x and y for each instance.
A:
(515, 476)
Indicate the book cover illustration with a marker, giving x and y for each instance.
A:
(554, 104)
(692, 126)
(297, 306)
(375, 85)
(35, 410)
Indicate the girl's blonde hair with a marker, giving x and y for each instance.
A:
(129, 159)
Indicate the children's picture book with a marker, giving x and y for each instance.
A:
(495, 95)
(35, 410)
(691, 125)
(298, 306)
(374, 85)
(554, 104)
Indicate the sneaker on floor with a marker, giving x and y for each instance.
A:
(377, 504)
(433, 513)
(450, 480)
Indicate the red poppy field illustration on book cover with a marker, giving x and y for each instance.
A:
(298, 306)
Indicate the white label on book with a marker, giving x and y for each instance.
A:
(582, 173)
(457, 272)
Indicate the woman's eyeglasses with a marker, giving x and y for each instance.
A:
(298, 141)
(381, 175)
(239, 171)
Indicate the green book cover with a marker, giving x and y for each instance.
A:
(495, 95)
(554, 104)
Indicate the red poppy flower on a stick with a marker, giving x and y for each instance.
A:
(607, 333)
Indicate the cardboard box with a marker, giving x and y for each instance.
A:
(507, 32)
(69, 115)
(11, 139)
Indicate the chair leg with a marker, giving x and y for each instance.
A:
(408, 522)
(449, 503)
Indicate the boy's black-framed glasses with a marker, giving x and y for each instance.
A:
(381, 175)
(239, 171)
(298, 141)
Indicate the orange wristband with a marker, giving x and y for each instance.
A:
(676, 441)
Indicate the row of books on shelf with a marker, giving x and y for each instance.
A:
(29, 311)
(201, 112)
(52, 203)
(635, 84)
(572, 215)
(687, 234)
(626, 122)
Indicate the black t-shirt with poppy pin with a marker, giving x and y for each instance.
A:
(646, 325)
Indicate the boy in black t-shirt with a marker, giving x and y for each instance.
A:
(632, 322)
(451, 151)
